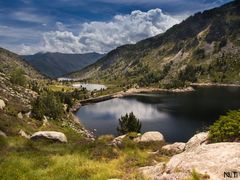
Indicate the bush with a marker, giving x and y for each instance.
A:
(18, 77)
(226, 128)
(129, 123)
(47, 104)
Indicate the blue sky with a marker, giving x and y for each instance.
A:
(79, 26)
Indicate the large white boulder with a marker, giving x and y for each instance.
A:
(177, 147)
(2, 104)
(150, 136)
(210, 159)
(53, 135)
(196, 140)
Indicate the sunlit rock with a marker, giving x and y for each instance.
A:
(53, 135)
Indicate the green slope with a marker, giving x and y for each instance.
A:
(9, 62)
(203, 48)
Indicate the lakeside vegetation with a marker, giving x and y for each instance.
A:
(226, 128)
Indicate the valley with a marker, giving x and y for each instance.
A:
(166, 107)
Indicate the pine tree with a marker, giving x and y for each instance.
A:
(129, 123)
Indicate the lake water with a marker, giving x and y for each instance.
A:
(90, 87)
(177, 116)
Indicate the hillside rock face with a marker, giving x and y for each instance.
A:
(150, 136)
(53, 135)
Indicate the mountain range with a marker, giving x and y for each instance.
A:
(58, 64)
(203, 48)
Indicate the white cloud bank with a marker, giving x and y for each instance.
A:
(104, 36)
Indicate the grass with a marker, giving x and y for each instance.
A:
(79, 159)
(59, 87)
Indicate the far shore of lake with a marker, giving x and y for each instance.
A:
(132, 91)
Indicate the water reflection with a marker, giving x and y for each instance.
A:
(177, 116)
(118, 107)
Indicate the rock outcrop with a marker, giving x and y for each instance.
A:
(53, 135)
(2, 104)
(177, 147)
(209, 160)
(196, 140)
(150, 136)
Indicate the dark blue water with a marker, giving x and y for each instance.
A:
(177, 116)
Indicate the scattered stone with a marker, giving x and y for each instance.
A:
(23, 134)
(197, 140)
(150, 136)
(177, 147)
(28, 114)
(3, 134)
(53, 135)
(45, 121)
(118, 140)
(2, 104)
(19, 115)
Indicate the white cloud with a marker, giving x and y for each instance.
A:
(104, 36)
(29, 17)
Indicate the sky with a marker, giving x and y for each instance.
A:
(82, 26)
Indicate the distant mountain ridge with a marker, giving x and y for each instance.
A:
(203, 48)
(57, 64)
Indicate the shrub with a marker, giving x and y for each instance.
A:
(226, 128)
(18, 77)
(129, 123)
(47, 104)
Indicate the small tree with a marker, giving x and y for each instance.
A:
(129, 123)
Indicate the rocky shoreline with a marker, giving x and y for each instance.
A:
(133, 91)
(213, 85)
